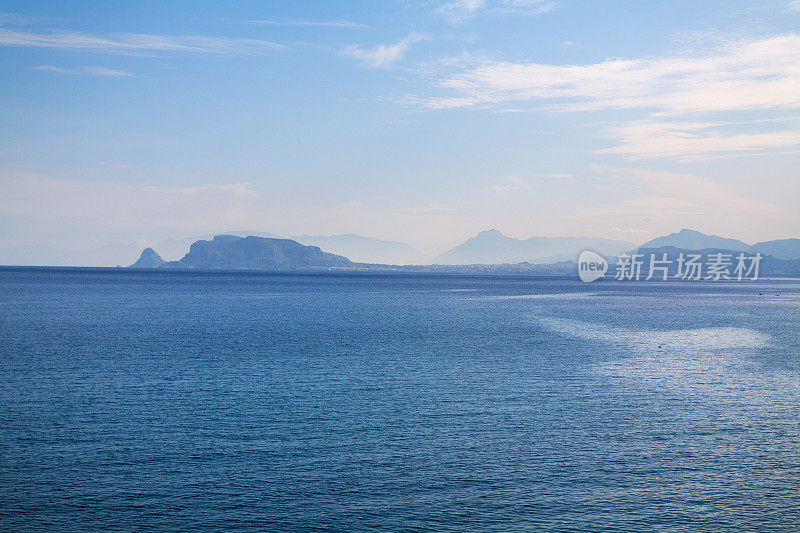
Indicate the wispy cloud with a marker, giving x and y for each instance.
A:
(233, 190)
(652, 138)
(516, 183)
(14, 19)
(460, 11)
(794, 5)
(43, 189)
(88, 70)
(630, 231)
(112, 210)
(512, 183)
(528, 7)
(311, 23)
(757, 74)
(663, 196)
(136, 43)
(734, 77)
(384, 55)
(429, 209)
(636, 202)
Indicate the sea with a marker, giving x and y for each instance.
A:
(249, 401)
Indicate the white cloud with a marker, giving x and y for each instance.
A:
(688, 141)
(742, 76)
(131, 43)
(88, 70)
(383, 55)
(758, 74)
(459, 11)
(794, 5)
(528, 7)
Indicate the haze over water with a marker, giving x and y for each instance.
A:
(180, 401)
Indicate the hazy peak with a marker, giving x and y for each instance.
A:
(695, 240)
(492, 247)
(148, 259)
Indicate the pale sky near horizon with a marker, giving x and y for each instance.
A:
(423, 122)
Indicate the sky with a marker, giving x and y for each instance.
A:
(422, 122)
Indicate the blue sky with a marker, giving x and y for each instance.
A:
(424, 122)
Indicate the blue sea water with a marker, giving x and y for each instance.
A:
(250, 401)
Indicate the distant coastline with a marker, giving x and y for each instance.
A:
(486, 253)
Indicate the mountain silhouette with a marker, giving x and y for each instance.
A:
(234, 252)
(148, 259)
(492, 247)
(694, 240)
(687, 239)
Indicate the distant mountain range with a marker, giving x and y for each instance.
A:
(492, 247)
(486, 248)
(365, 249)
(687, 239)
(173, 249)
(231, 252)
(355, 247)
(768, 265)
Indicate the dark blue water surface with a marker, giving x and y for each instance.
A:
(188, 401)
